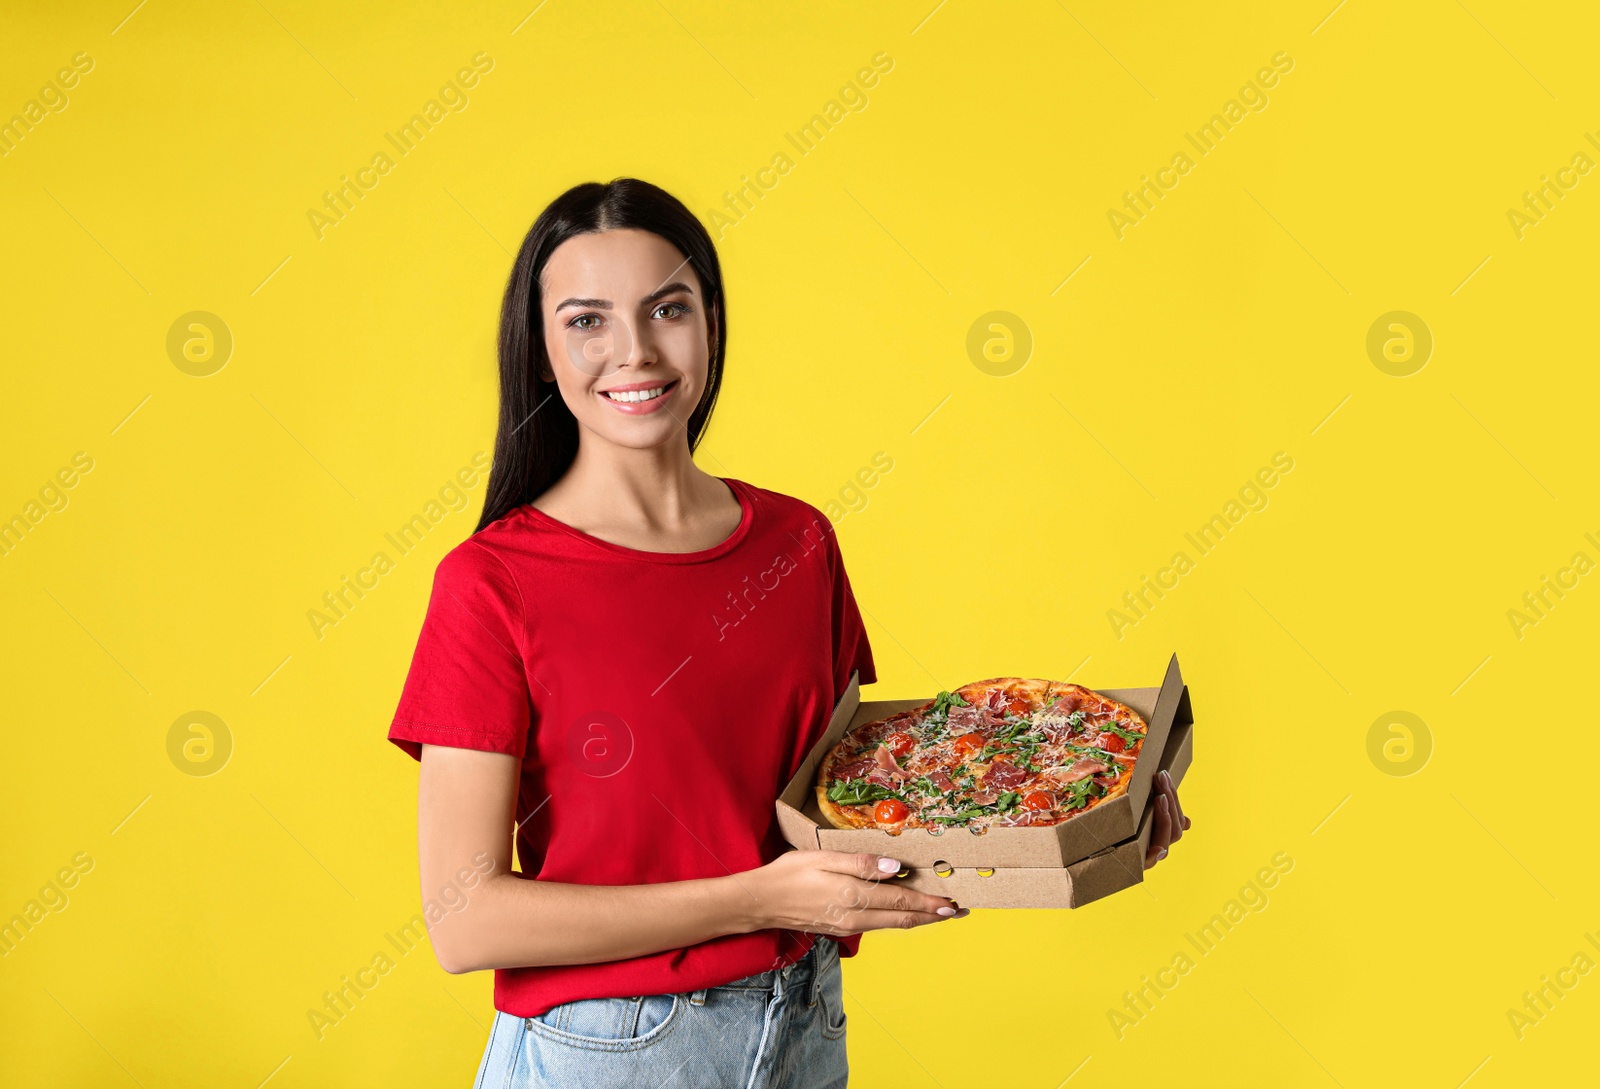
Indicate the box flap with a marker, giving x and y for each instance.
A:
(1158, 727)
(798, 829)
(799, 785)
(1112, 870)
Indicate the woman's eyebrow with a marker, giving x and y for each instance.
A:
(669, 289)
(605, 304)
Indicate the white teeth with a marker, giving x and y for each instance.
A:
(635, 395)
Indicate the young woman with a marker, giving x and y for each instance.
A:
(619, 670)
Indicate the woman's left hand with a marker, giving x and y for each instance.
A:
(1170, 825)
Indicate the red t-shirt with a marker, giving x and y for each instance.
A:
(658, 702)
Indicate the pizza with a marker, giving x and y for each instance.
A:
(1003, 753)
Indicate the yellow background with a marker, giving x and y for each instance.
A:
(1226, 326)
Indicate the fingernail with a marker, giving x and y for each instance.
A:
(888, 865)
(1161, 854)
(947, 912)
(963, 913)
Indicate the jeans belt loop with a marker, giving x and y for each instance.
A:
(698, 998)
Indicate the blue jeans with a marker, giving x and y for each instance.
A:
(781, 1029)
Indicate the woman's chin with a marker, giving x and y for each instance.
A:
(640, 433)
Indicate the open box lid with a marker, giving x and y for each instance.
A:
(1061, 844)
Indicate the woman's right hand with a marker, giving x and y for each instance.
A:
(838, 893)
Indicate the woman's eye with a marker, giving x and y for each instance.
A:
(577, 321)
(681, 308)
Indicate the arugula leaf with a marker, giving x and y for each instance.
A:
(1001, 805)
(1130, 736)
(1008, 743)
(857, 792)
(1078, 794)
(938, 717)
(1011, 730)
(1081, 793)
(1093, 750)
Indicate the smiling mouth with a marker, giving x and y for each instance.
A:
(635, 396)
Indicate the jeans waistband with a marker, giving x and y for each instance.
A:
(804, 973)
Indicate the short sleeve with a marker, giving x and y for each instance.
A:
(851, 650)
(467, 686)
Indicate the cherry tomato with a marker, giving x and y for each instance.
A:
(1039, 799)
(901, 744)
(968, 744)
(1112, 743)
(890, 811)
(1017, 707)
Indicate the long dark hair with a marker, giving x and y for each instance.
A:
(537, 436)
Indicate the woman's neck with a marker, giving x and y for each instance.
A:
(654, 499)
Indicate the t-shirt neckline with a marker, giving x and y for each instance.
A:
(726, 545)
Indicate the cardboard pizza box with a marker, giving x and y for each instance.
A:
(1065, 865)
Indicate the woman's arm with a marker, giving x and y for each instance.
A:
(465, 812)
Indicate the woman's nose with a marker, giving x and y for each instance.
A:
(610, 347)
(639, 348)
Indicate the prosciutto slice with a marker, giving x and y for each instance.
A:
(885, 761)
(855, 769)
(1003, 776)
(964, 718)
(1056, 732)
(1081, 768)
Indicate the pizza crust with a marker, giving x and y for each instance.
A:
(833, 814)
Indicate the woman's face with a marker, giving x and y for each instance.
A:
(628, 333)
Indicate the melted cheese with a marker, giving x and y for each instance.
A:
(1053, 719)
